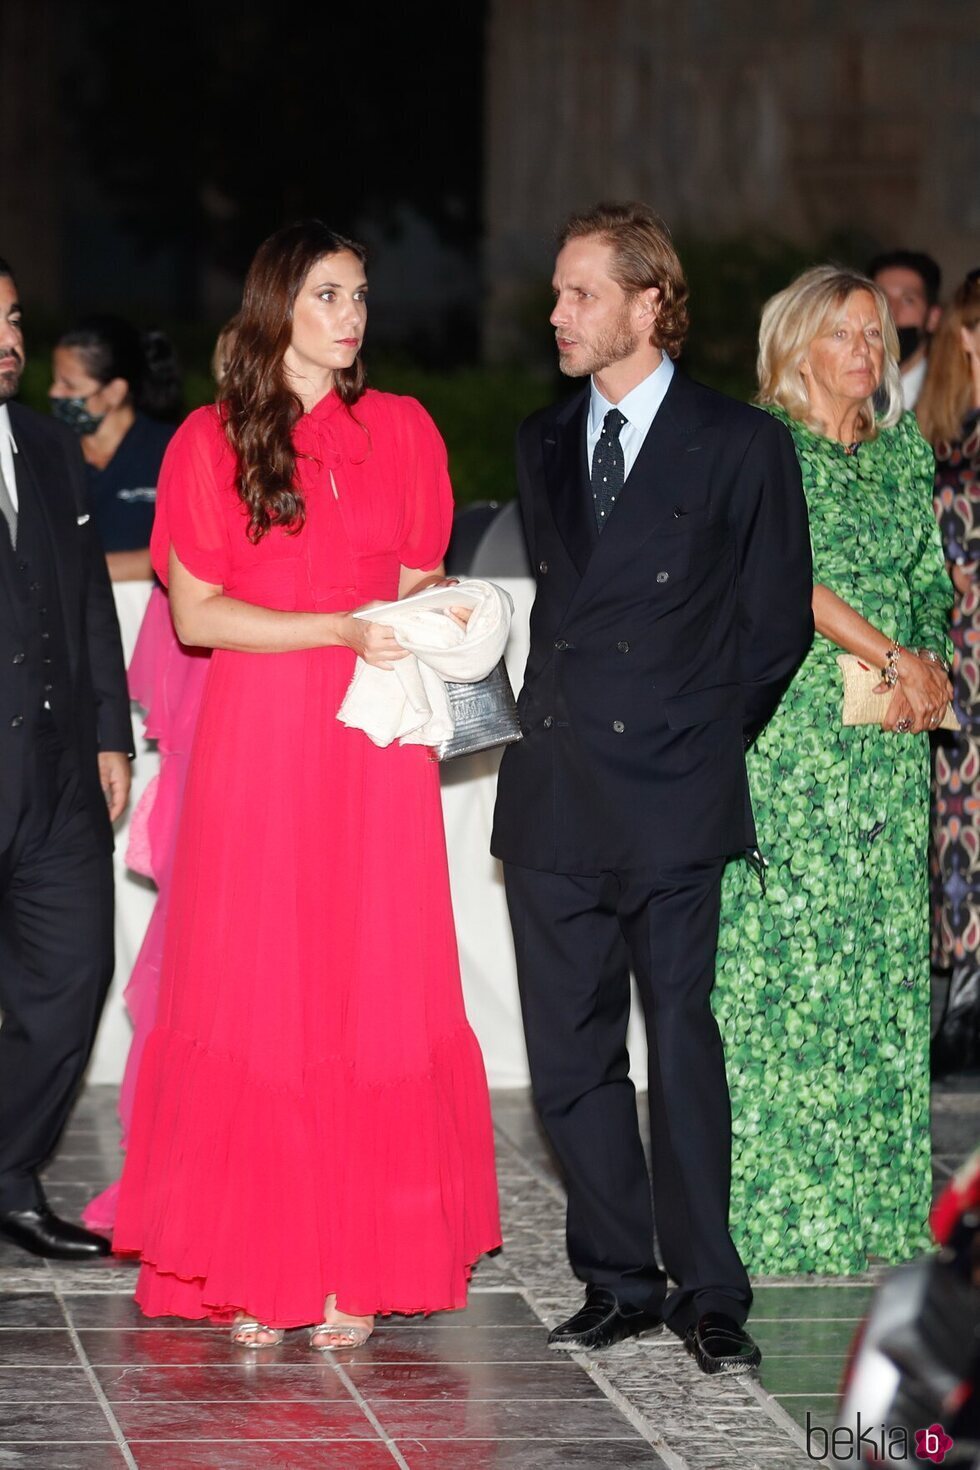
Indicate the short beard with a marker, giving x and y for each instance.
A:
(613, 345)
(10, 382)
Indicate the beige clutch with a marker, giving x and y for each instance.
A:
(862, 706)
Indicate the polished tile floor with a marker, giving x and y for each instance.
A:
(87, 1384)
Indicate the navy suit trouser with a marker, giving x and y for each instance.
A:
(576, 939)
(56, 960)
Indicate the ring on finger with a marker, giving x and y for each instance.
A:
(903, 725)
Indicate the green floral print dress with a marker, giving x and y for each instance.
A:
(822, 994)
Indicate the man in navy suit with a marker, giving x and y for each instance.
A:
(668, 531)
(65, 742)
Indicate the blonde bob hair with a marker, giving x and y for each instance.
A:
(809, 306)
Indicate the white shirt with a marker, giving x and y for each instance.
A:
(8, 448)
(639, 409)
(912, 382)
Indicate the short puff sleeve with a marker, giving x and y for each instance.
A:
(428, 511)
(192, 509)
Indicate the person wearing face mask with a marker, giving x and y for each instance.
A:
(119, 390)
(911, 281)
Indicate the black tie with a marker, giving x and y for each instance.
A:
(608, 467)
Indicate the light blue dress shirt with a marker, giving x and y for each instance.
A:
(639, 408)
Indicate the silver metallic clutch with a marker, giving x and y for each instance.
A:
(484, 715)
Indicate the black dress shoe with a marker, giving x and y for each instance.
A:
(43, 1234)
(603, 1321)
(719, 1344)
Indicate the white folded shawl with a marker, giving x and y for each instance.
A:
(409, 702)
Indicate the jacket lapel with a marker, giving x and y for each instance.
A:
(43, 479)
(564, 449)
(657, 480)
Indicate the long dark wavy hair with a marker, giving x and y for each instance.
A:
(260, 409)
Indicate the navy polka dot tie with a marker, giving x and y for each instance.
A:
(608, 467)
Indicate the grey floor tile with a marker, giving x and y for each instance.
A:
(30, 1309)
(593, 1419)
(136, 1348)
(529, 1454)
(314, 1382)
(553, 1380)
(262, 1455)
(485, 1309)
(257, 1420)
(36, 1347)
(436, 1344)
(45, 1386)
(118, 1310)
(81, 1422)
(107, 1273)
(64, 1456)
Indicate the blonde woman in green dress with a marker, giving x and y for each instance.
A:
(823, 979)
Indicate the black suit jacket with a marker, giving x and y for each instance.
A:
(661, 648)
(50, 469)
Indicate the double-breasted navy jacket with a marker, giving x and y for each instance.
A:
(660, 648)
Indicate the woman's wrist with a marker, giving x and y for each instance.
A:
(932, 657)
(336, 631)
(891, 664)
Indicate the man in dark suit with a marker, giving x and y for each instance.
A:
(668, 530)
(65, 742)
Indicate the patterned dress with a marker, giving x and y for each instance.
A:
(956, 768)
(823, 983)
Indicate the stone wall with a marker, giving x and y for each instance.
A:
(803, 119)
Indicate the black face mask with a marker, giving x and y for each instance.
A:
(909, 339)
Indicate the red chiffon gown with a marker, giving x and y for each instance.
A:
(311, 1113)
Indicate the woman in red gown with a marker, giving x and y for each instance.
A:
(311, 1140)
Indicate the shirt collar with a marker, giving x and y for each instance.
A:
(6, 432)
(640, 405)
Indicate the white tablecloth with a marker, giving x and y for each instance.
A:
(483, 931)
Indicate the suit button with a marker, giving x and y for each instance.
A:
(622, 646)
(22, 566)
(18, 658)
(618, 726)
(48, 688)
(17, 720)
(45, 635)
(561, 644)
(543, 568)
(45, 660)
(548, 722)
(663, 576)
(35, 586)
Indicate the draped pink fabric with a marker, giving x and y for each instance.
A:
(311, 1112)
(167, 679)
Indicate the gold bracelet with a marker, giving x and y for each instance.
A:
(889, 672)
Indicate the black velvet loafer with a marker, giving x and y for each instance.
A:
(602, 1322)
(44, 1234)
(718, 1344)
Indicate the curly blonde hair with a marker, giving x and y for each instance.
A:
(802, 311)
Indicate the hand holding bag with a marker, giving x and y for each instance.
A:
(862, 706)
(484, 715)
